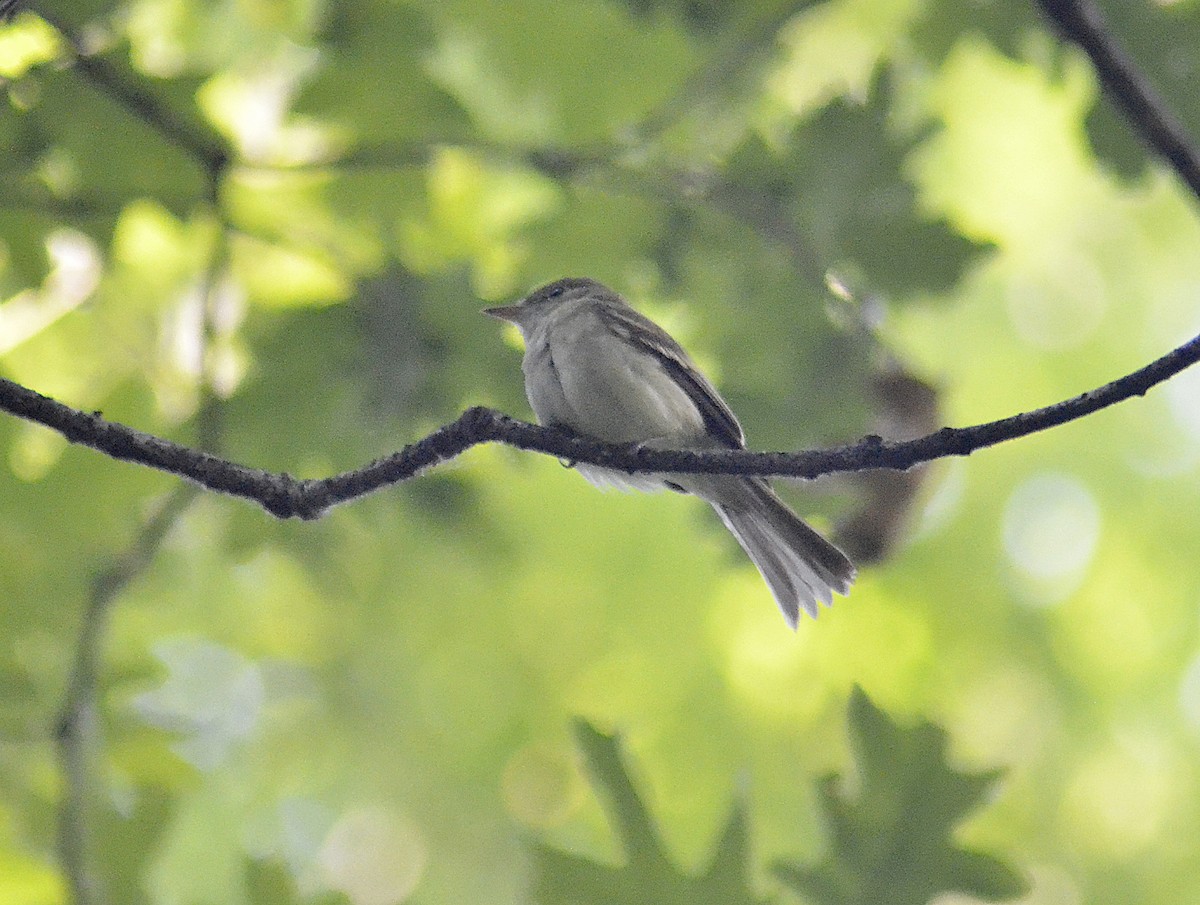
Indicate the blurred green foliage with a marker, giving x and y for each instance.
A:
(646, 874)
(892, 840)
(891, 843)
(267, 226)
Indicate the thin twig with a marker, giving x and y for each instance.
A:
(193, 137)
(287, 497)
(1083, 22)
(77, 734)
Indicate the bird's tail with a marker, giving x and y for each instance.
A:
(800, 567)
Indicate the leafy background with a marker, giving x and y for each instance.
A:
(266, 227)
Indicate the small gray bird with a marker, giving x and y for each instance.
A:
(596, 366)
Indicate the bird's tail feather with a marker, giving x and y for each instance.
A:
(800, 567)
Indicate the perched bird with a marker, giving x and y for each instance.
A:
(596, 366)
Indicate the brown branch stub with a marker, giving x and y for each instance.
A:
(287, 497)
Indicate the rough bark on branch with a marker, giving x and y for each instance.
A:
(287, 497)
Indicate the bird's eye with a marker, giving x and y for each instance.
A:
(555, 292)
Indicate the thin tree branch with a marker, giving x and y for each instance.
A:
(287, 497)
(77, 732)
(193, 137)
(1082, 22)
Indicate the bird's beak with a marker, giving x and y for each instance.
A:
(510, 313)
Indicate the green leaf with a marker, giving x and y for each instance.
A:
(505, 63)
(372, 82)
(155, 144)
(648, 874)
(892, 840)
(841, 180)
(945, 22)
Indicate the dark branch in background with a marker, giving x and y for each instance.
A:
(287, 497)
(78, 739)
(78, 208)
(609, 168)
(204, 145)
(760, 211)
(77, 732)
(1082, 22)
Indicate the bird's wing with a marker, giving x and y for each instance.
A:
(646, 335)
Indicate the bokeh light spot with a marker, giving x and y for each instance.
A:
(1051, 527)
(763, 656)
(1008, 716)
(1189, 694)
(374, 857)
(541, 786)
(1118, 801)
(1183, 398)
